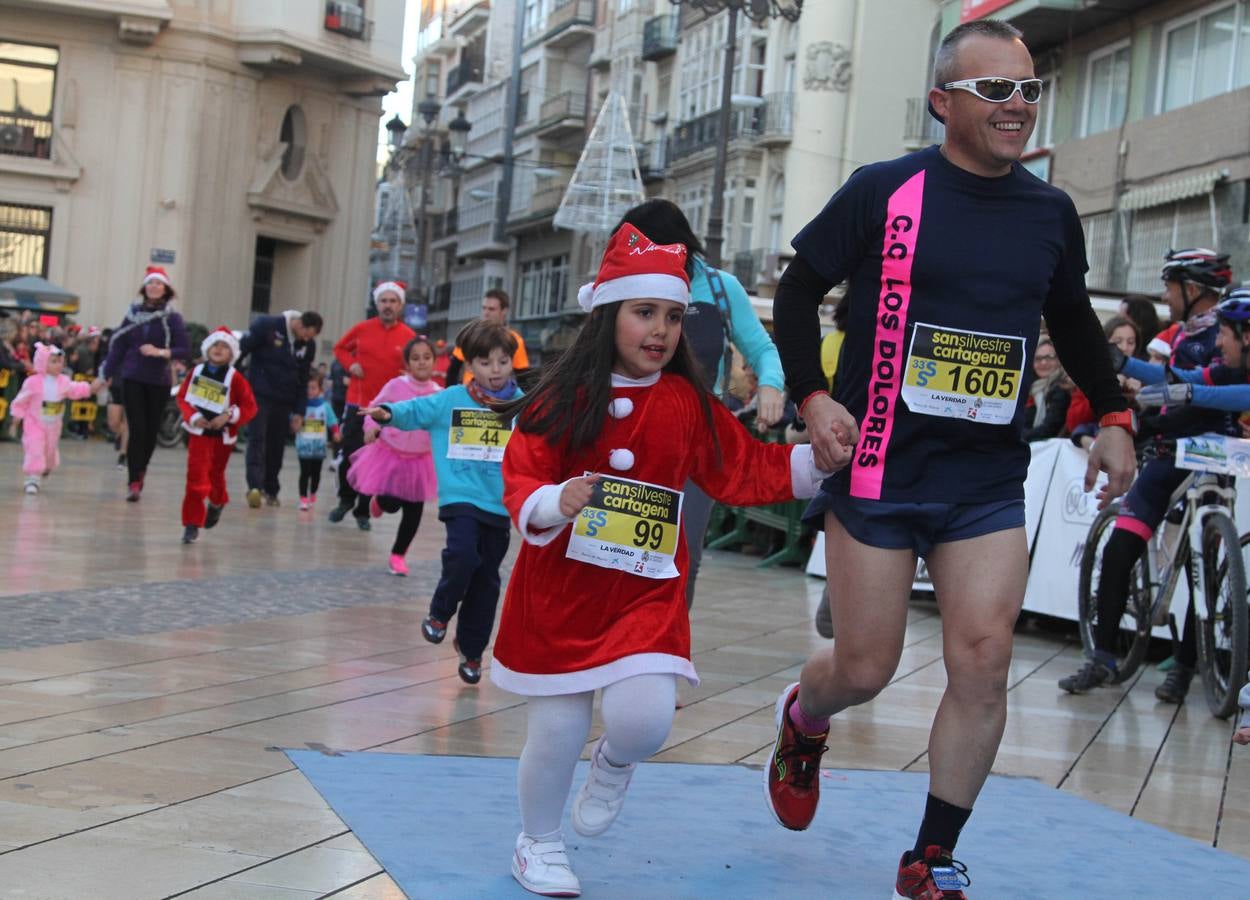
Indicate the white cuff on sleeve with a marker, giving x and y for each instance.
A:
(540, 520)
(805, 478)
(234, 414)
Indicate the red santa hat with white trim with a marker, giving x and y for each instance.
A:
(392, 286)
(634, 268)
(222, 335)
(156, 273)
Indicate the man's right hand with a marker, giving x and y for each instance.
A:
(833, 430)
(356, 371)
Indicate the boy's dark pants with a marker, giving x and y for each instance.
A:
(470, 580)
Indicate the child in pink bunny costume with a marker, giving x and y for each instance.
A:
(40, 405)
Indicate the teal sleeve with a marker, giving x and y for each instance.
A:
(331, 419)
(1148, 373)
(751, 338)
(1229, 398)
(417, 414)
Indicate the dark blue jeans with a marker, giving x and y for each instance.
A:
(266, 442)
(470, 580)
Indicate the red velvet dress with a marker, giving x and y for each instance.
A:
(570, 626)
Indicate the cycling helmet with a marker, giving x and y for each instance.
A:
(1203, 267)
(1234, 309)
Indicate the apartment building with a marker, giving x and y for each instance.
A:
(231, 141)
(1145, 123)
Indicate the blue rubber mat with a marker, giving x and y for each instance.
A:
(445, 826)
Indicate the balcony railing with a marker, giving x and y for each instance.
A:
(748, 266)
(562, 16)
(778, 118)
(653, 160)
(702, 133)
(659, 36)
(23, 136)
(444, 225)
(467, 71)
(567, 107)
(347, 18)
(920, 129)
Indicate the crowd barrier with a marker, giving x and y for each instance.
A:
(1057, 513)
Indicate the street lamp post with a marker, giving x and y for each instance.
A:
(757, 11)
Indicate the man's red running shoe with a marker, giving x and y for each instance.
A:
(936, 877)
(791, 783)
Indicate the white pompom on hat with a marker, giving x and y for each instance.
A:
(222, 335)
(392, 286)
(635, 268)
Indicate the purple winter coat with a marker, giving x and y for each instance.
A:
(126, 363)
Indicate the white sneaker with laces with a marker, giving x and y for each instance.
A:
(542, 867)
(599, 802)
(32, 484)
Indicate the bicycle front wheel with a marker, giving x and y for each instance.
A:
(1225, 632)
(1133, 637)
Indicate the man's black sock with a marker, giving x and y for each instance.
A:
(941, 826)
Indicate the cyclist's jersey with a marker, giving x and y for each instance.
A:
(949, 276)
(1193, 351)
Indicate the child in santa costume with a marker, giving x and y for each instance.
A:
(467, 440)
(395, 468)
(40, 406)
(216, 401)
(593, 480)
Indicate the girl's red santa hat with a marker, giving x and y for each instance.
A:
(157, 273)
(634, 268)
(222, 335)
(392, 287)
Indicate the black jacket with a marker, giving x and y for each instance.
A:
(278, 371)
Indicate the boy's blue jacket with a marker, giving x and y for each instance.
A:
(476, 482)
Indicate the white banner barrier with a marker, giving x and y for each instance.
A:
(1058, 514)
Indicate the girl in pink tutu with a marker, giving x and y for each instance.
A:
(396, 467)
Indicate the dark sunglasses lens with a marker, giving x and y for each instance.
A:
(995, 89)
(1031, 91)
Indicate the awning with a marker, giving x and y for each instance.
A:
(39, 294)
(1163, 192)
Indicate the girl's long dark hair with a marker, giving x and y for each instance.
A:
(570, 400)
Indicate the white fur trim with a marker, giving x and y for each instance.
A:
(535, 685)
(157, 276)
(221, 337)
(648, 285)
(805, 478)
(1163, 348)
(387, 287)
(540, 521)
(623, 381)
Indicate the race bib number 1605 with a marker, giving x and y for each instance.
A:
(960, 374)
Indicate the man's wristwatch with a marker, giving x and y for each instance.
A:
(1126, 419)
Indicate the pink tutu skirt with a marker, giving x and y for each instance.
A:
(378, 470)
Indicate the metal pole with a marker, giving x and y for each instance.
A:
(716, 215)
(427, 163)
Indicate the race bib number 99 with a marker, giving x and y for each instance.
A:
(960, 374)
(477, 434)
(630, 526)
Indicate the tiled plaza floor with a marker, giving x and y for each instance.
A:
(141, 760)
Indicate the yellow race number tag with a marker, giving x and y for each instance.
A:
(631, 526)
(477, 434)
(963, 374)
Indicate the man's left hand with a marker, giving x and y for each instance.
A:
(1112, 453)
(769, 404)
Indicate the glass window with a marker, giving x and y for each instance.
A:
(1241, 77)
(1215, 53)
(27, 92)
(25, 233)
(1206, 55)
(1106, 96)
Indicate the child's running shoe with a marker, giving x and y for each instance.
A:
(542, 867)
(304, 505)
(397, 565)
(32, 484)
(213, 515)
(599, 802)
(469, 670)
(190, 534)
(791, 777)
(254, 498)
(936, 877)
(433, 630)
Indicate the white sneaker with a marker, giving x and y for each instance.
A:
(542, 867)
(599, 802)
(32, 485)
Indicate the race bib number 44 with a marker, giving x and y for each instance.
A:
(477, 434)
(630, 526)
(960, 374)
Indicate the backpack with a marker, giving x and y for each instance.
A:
(708, 328)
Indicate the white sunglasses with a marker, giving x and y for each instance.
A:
(996, 89)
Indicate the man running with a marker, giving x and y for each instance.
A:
(953, 255)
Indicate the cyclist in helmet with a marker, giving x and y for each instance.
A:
(1193, 281)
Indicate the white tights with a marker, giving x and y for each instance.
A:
(637, 716)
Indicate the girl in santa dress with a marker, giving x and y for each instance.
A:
(593, 476)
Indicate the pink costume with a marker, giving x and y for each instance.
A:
(40, 404)
(398, 464)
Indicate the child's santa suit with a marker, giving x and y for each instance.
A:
(40, 404)
(205, 393)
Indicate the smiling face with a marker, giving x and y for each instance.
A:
(982, 137)
(647, 332)
(1230, 345)
(154, 291)
(1044, 359)
(421, 362)
(493, 371)
(1125, 338)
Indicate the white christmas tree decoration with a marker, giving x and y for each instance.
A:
(606, 182)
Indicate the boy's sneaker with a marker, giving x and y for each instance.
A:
(469, 670)
(190, 534)
(304, 505)
(433, 630)
(1176, 685)
(375, 508)
(1096, 672)
(339, 513)
(32, 484)
(254, 498)
(936, 877)
(599, 802)
(542, 867)
(213, 516)
(397, 565)
(791, 777)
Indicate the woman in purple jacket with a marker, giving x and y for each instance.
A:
(150, 335)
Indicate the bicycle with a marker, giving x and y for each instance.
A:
(1199, 526)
